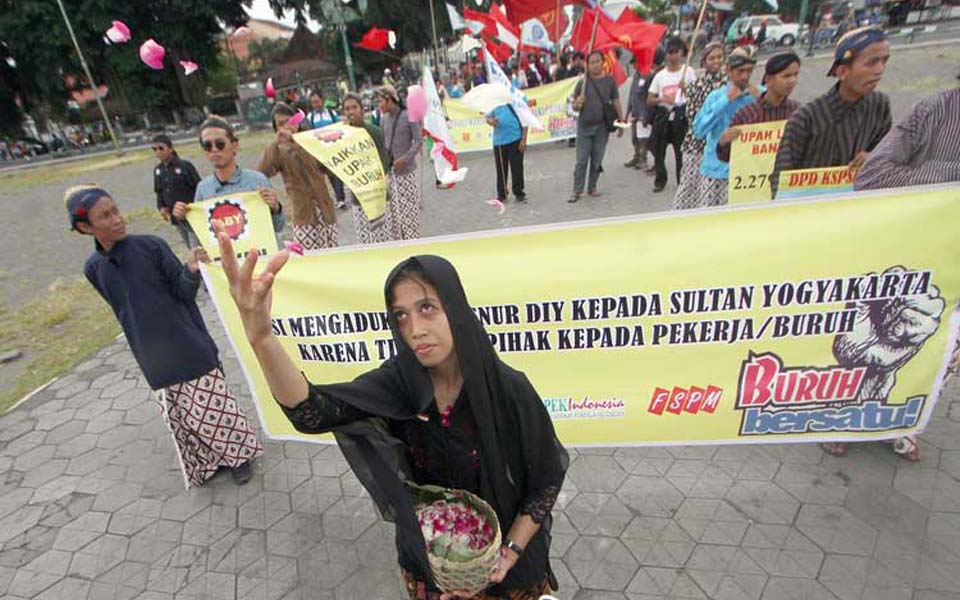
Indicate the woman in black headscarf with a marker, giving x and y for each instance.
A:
(444, 411)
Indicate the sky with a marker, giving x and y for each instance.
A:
(261, 10)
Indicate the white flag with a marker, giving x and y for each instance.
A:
(506, 36)
(533, 33)
(456, 21)
(496, 75)
(468, 43)
(435, 127)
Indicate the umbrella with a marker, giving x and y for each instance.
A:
(486, 97)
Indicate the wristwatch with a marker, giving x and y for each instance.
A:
(512, 545)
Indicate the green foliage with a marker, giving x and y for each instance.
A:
(656, 11)
(222, 79)
(265, 51)
(37, 38)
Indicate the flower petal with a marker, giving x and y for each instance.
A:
(501, 207)
(268, 90)
(152, 53)
(295, 120)
(189, 67)
(118, 33)
(294, 247)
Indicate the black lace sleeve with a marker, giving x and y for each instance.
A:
(319, 413)
(539, 504)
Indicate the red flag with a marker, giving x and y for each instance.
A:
(628, 16)
(550, 21)
(583, 30)
(497, 14)
(611, 66)
(489, 25)
(500, 52)
(630, 33)
(376, 39)
(521, 10)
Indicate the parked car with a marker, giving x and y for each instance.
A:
(784, 34)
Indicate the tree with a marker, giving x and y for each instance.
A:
(265, 51)
(38, 40)
(656, 11)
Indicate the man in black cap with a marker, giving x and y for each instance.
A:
(175, 181)
(844, 125)
(667, 100)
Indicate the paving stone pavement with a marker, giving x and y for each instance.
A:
(92, 504)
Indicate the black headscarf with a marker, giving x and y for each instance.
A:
(519, 450)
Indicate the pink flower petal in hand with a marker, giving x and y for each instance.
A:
(189, 67)
(501, 207)
(152, 53)
(294, 247)
(268, 90)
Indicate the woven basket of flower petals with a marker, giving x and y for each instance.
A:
(462, 534)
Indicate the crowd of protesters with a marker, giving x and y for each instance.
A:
(695, 109)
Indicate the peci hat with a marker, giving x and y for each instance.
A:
(744, 55)
(852, 43)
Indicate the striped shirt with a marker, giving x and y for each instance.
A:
(922, 149)
(758, 112)
(830, 132)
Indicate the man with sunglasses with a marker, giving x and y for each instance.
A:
(175, 182)
(220, 144)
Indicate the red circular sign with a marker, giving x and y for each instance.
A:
(232, 216)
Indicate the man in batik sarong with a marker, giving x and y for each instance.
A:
(153, 296)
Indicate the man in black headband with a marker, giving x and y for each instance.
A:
(844, 125)
(713, 118)
(780, 78)
(153, 296)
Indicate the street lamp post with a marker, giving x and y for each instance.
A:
(346, 53)
(93, 84)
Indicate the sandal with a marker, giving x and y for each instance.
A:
(834, 448)
(906, 448)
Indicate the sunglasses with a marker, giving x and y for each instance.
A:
(208, 145)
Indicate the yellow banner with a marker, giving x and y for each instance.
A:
(801, 183)
(246, 218)
(752, 156)
(470, 132)
(350, 153)
(645, 330)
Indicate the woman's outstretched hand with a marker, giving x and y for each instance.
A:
(253, 295)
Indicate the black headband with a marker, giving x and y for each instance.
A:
(779, 62)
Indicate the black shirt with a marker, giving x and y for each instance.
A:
(153, 296)
(174, 182)
(442, 449)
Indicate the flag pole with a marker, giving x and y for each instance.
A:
(556, 23)
(693, 42)
(90, 80)
(596, 24)
(433, 26)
